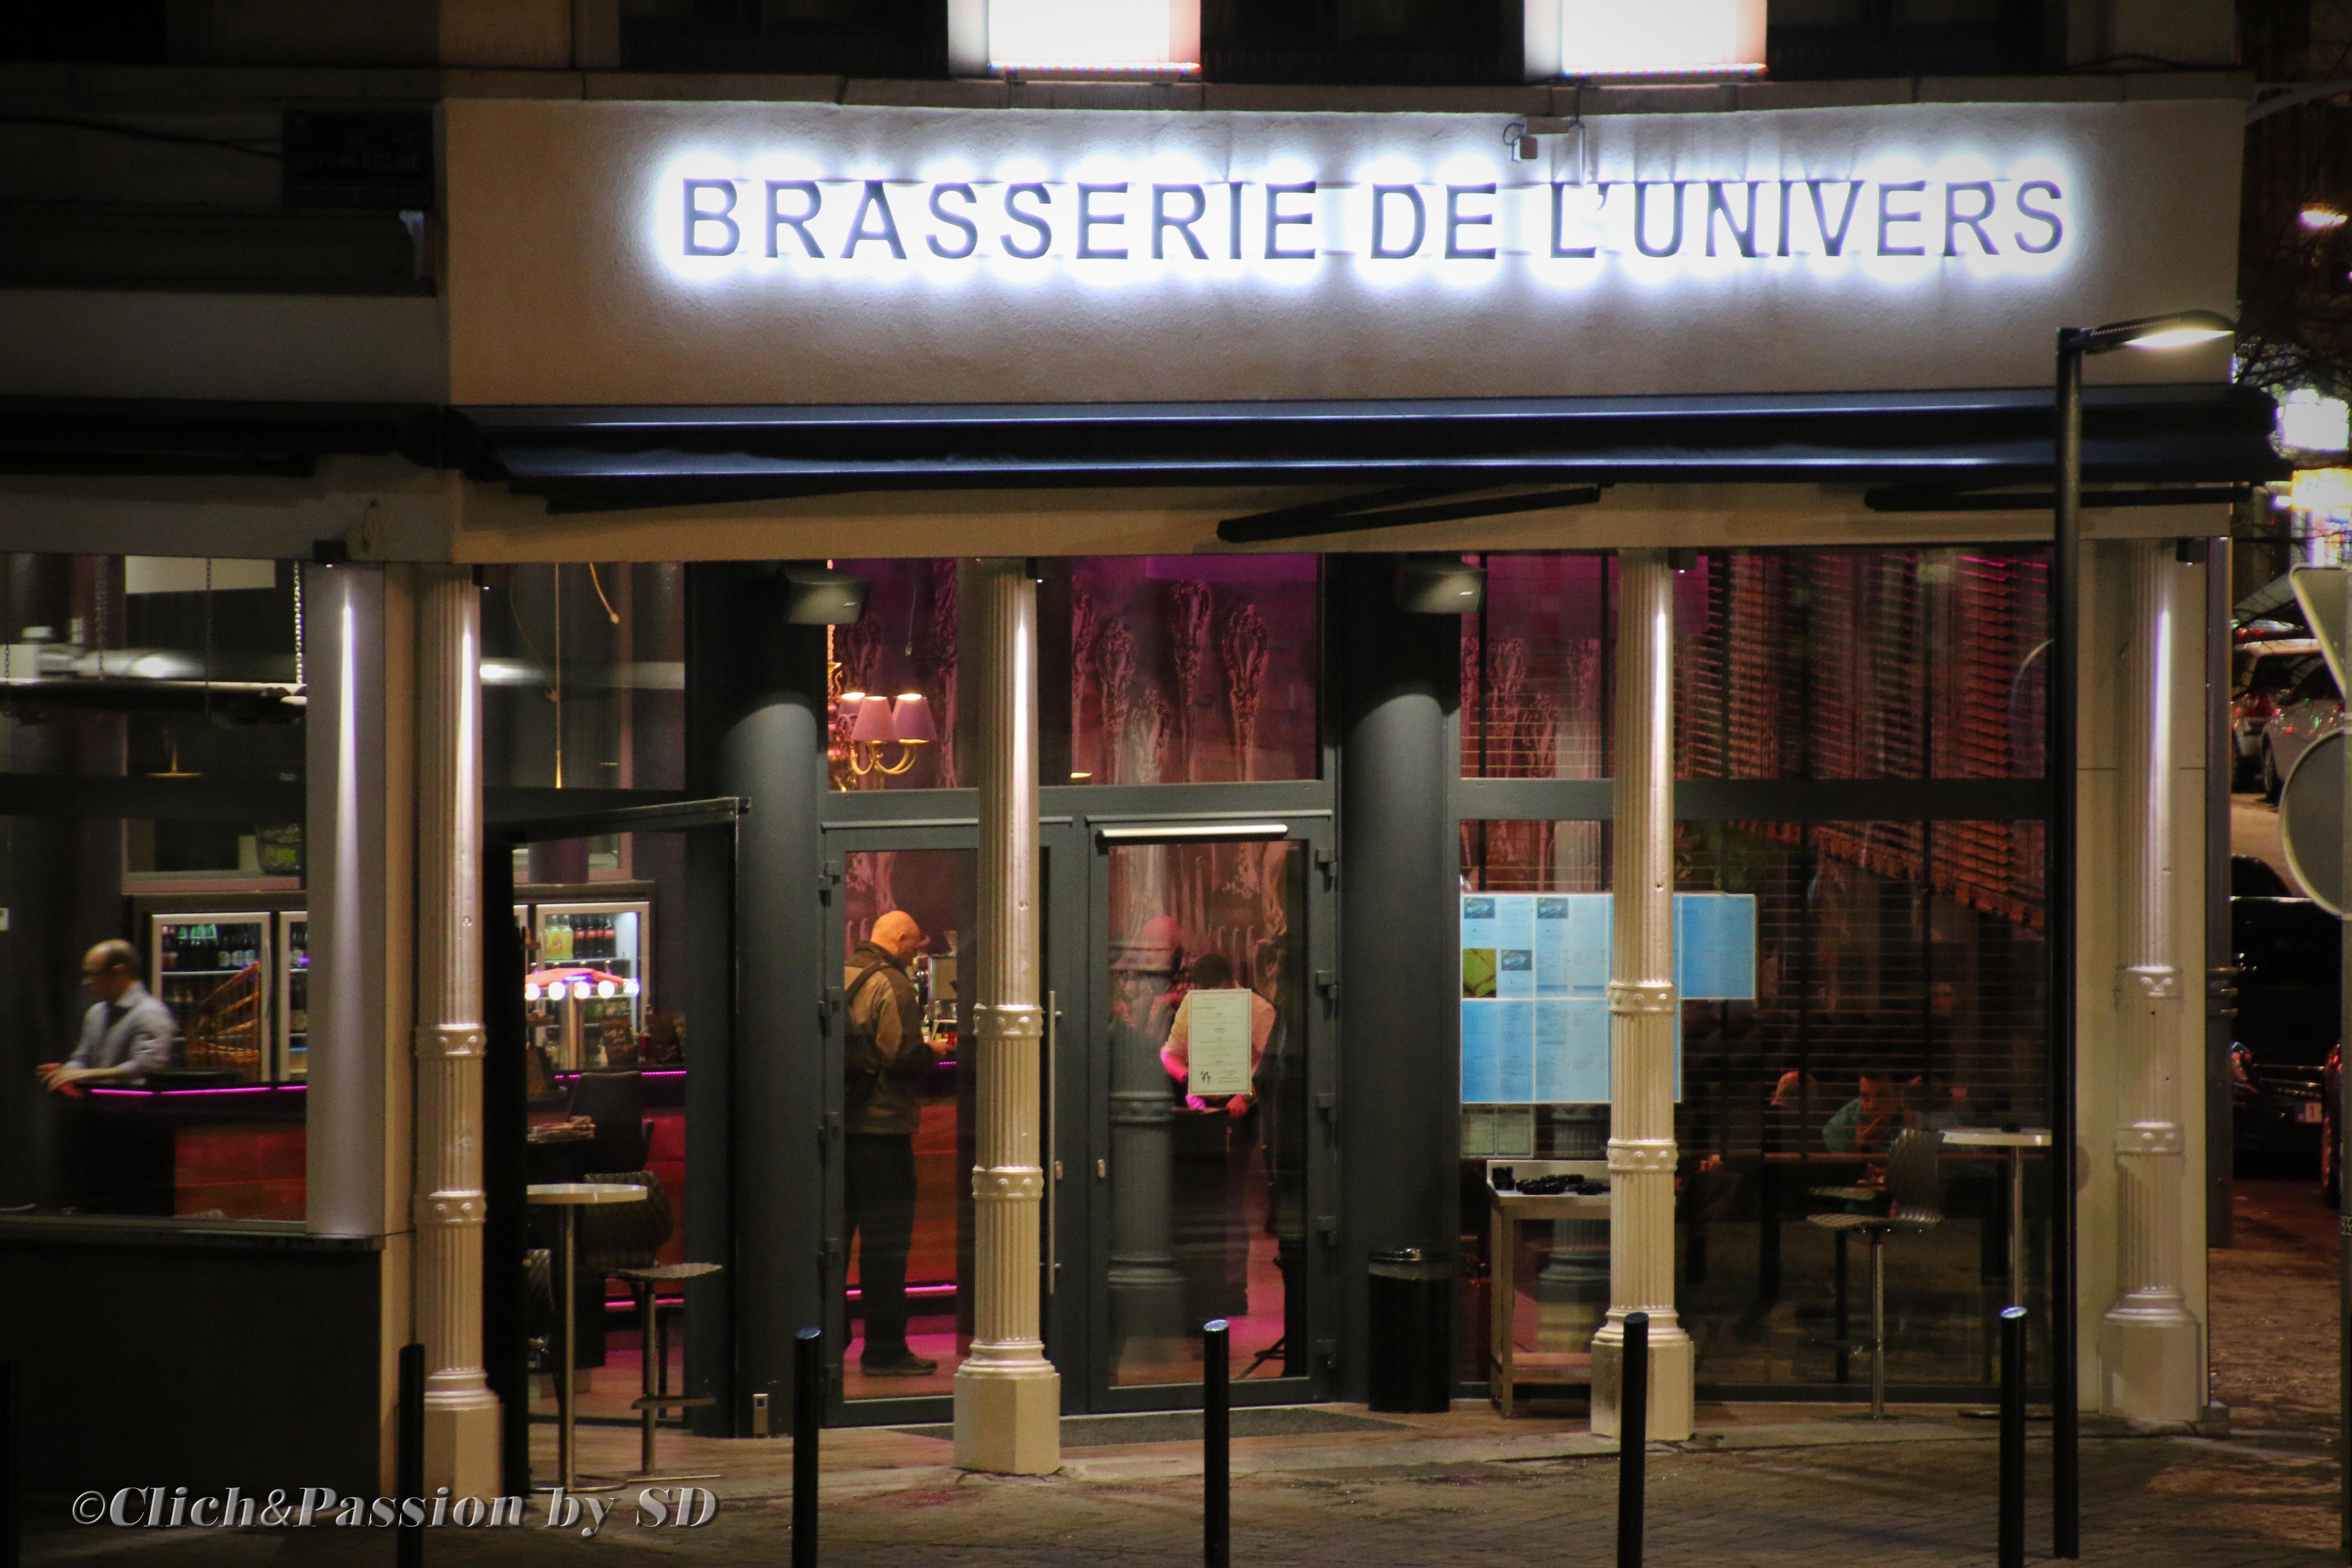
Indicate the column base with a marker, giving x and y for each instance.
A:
(1673, 1382)
(461, 1446)
(2153, 1371)
(1008, 1419)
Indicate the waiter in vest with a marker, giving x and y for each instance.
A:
(885, 1060)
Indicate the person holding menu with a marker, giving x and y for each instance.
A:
(1217, 1038)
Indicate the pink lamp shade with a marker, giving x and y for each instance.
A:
(912, 720)
(874, 722)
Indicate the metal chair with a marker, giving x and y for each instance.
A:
(1915, 1199)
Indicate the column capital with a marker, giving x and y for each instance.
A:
(1643, 1156)
(1643, 996)
(455, 1206)
(2149, 1138)
(1007, 1185)
(1008, 1021)
(449, 1040)
(2149, 982)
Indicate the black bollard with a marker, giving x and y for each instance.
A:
(10, 1531)
(1632, 1438)
(808, 1408)
(1216, 1444)
(408, 1461)
(2012, 1437)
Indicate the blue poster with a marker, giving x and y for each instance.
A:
(1515, 945)
(1497, 1052)
(1571, 1053)
(1715, 947)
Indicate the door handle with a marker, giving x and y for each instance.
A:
(1052, 1128)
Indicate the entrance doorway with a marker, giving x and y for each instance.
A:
(1184, 1096)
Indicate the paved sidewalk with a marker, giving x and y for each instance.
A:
(1799, 1486)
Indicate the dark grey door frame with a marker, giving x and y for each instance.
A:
(1314, 827)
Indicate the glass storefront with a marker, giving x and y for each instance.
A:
(150, 727)
(1899, 976)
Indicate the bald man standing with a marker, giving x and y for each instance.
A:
(885, 1061)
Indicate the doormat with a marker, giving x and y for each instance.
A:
(1183, 1426)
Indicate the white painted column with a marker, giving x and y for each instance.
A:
(2152, 1359)
(1008, 1396)
(461, 1414)
(1643, 1009)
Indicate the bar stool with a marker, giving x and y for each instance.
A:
(1915, 1197)
(625, 1247)
(644, 1284)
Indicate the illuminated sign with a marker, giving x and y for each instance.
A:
(779, 213)
(756, 252)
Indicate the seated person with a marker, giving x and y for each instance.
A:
(1867, 1123)
(1214, 971)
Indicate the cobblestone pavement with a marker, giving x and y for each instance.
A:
(1762, 1486)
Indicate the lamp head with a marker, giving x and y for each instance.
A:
(910, 720)
(873, 724)
(1439, 586)
(821, 596)
(2177, 329)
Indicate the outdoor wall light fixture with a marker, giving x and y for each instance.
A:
(821, 596)
(1439, 586)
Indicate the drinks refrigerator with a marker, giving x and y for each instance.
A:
(213, 970)
(603, 938)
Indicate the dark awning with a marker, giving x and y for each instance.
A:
(186, 436)
(605, 459)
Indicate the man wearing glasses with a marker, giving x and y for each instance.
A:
(126, 1035)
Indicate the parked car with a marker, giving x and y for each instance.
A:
(2262, 672)
(2310, 709)
(2289, 957)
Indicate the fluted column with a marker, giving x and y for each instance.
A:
(1643, 1009)
(461, 1414)
(1007, 1394)
(2152, 1339)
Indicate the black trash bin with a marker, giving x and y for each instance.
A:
(1411, 1345)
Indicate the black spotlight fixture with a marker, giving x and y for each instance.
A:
(821, 596)
(1439, 586)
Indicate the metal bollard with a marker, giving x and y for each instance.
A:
(11, 1529)
(1216, 1444)
(2012, 1437)
(808, 1409)
(1632, 1438)
(408, 1461)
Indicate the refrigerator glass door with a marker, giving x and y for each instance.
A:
(294, 996)
(213, 972)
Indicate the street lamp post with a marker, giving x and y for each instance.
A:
(2178, 329)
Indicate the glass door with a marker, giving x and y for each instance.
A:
(899, 1150)
(1211, 1158)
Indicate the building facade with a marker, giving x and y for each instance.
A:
(1378, 631)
